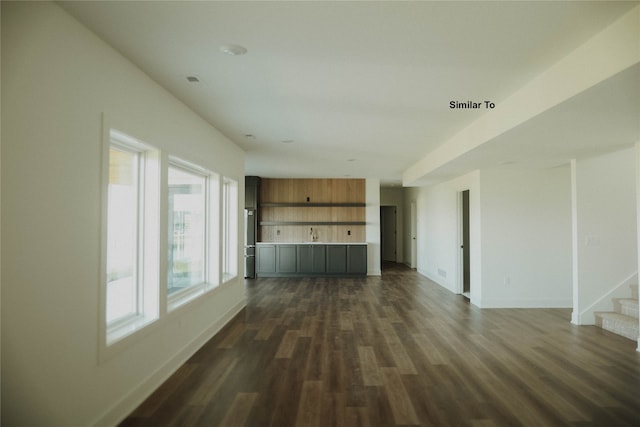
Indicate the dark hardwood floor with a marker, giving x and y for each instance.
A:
(397, 350)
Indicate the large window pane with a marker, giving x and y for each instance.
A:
(132, 235)
(122, 235)
(187, 214)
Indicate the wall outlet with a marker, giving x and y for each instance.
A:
(442, 273)
(507, 280)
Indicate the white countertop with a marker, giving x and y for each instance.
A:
(311, 243)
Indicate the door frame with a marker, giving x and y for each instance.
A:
(460, 243)
(385, 212)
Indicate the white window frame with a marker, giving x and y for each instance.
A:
(147, 239)
(211, 255)
(229, 229)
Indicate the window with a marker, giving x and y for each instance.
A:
(151, 200)
(192, 234)
(131, 264)
(186, 229)
(230, 229)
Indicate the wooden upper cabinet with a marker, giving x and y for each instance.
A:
(251, 189)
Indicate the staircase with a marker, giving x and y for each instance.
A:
(624, 320)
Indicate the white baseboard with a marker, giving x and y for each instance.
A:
(133, 399)
(526, 303)
(575, 317)
(437, 280)
(426, 274)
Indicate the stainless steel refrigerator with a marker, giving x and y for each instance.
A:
(250, 232)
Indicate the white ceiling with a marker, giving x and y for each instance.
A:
(363, 88)
(603, 119)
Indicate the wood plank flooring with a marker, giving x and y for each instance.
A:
(397, 350)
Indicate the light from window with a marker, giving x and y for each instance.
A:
(122, 235)
(187, 229)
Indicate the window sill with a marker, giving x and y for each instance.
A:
(124, 329)
(182, 297)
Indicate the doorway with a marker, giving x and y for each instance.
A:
(465, 246)
(388, 234)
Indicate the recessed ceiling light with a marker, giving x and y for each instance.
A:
(288, 141)
(250, 136)
(233, 49)
(351, 160)
(193, 79)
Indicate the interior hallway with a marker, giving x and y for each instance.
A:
(397, 350)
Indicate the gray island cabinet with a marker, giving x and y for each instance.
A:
(311, 259)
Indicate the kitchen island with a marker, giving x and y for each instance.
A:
(310, 259)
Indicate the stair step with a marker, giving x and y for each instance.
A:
(620, 324)
(634, 291)
(627, 306)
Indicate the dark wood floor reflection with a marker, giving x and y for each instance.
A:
(397, 350)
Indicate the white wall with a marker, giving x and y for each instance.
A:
(605, 241)
(372, 229)
(616, 48)
(526, 230)
(57, 81)
(520, 230)
(438, 242)
(409, 200)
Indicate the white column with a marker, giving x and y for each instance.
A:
(372, 217)
(575, 315)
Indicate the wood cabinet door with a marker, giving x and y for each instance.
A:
(311, 259)
(266, 259)
(287, 259)
(336, 258)
(319, 259)
(357, 259)
(305, 258)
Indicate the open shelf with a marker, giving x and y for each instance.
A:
(312, 205)
(313, 223)
(334, 208)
